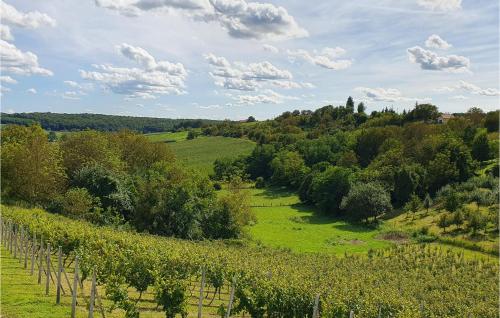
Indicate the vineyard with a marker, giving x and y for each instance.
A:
(405, 281)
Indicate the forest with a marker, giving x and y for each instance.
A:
(360, 166)
(72, 122)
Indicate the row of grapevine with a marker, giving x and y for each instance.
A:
(406, 281)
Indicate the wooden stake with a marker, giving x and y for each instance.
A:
(351, 314)
(200, 301)
(33, 248)
(92, 296)
(40, 261)
(47, 281)
(26, 243)
(59, 270)
(75, 288)
(316, 307)
(231, 298)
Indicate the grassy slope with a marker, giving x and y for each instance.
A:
(23, 297)
(167, 136)
(283, 222)
(200, 153)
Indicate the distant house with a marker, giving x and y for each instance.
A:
(443, 119)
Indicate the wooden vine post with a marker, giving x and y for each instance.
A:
(202, 286)
(26, 244)
(59, 272)
(316, 307)
(92, 296)
(33, 248)
(75, 288)
(47, 281)
(40, 261)
(231, 298)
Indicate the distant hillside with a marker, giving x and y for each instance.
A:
(58, 122)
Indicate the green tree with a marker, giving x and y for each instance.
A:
(444, 221)
(350, 105)
(476, 221)
(366, 200)
(406, 181)
(491, 121)
(361, 108)
(288, 169)
(191, 135)
(90, 147)
(32, 168)
(458, 218)
(329, 187)
(427, 202)
(481, 147)
(414, 204)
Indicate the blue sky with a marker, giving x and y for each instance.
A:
(235, 58)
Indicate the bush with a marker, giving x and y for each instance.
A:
(260, 183)
(217, 186)
(366, 200)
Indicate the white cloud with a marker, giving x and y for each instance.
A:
(7, 80)
(210, 106)
(248, 77)
(471, 88)
(30, 20)
(80, 86)
(459, 97)
(71, 95)
(15, 61)
(441, 5)
(327, 58)
(154, 78)
(474, 89)
(270, 48)
(429, 60)
(5, 33)
(267, 97)
(385, 95)
(436, 42)
(241, 19)
(31, 90)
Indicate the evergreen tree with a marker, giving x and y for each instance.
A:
(350, 105)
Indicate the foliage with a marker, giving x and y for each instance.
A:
(32, 167)
(329, 187)
(366, 200)
(280, 284)
(73, 122)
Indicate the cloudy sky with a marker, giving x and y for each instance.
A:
(235, 58)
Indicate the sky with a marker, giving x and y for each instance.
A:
(231, 59)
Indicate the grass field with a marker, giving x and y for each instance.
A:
(200, 153)
(282, 222)
(23, 297)
(167, 136)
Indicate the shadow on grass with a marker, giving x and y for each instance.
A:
(275, 193)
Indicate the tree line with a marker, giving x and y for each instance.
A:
(76, 122)
(358, 165)
(117, 178)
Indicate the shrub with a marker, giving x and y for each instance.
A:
(260, 183)
(366, 200)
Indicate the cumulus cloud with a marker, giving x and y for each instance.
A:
(429, 60)
(326, 58)
(31, 90)
(474, 89)
(15, 61)
(471, 88)
(241, 19)
(5, 33)
(459, 97)
(385, 95)
(266, 97)
(436, 42)
(7, 80)
(270, 48)
(152, 79)
(80, 86)
(441, 5)
(250, 77)
(30, 20)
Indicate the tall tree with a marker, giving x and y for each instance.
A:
(32, 167)
(350, 105)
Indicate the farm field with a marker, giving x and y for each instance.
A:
(200, 153)
(167, 136)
